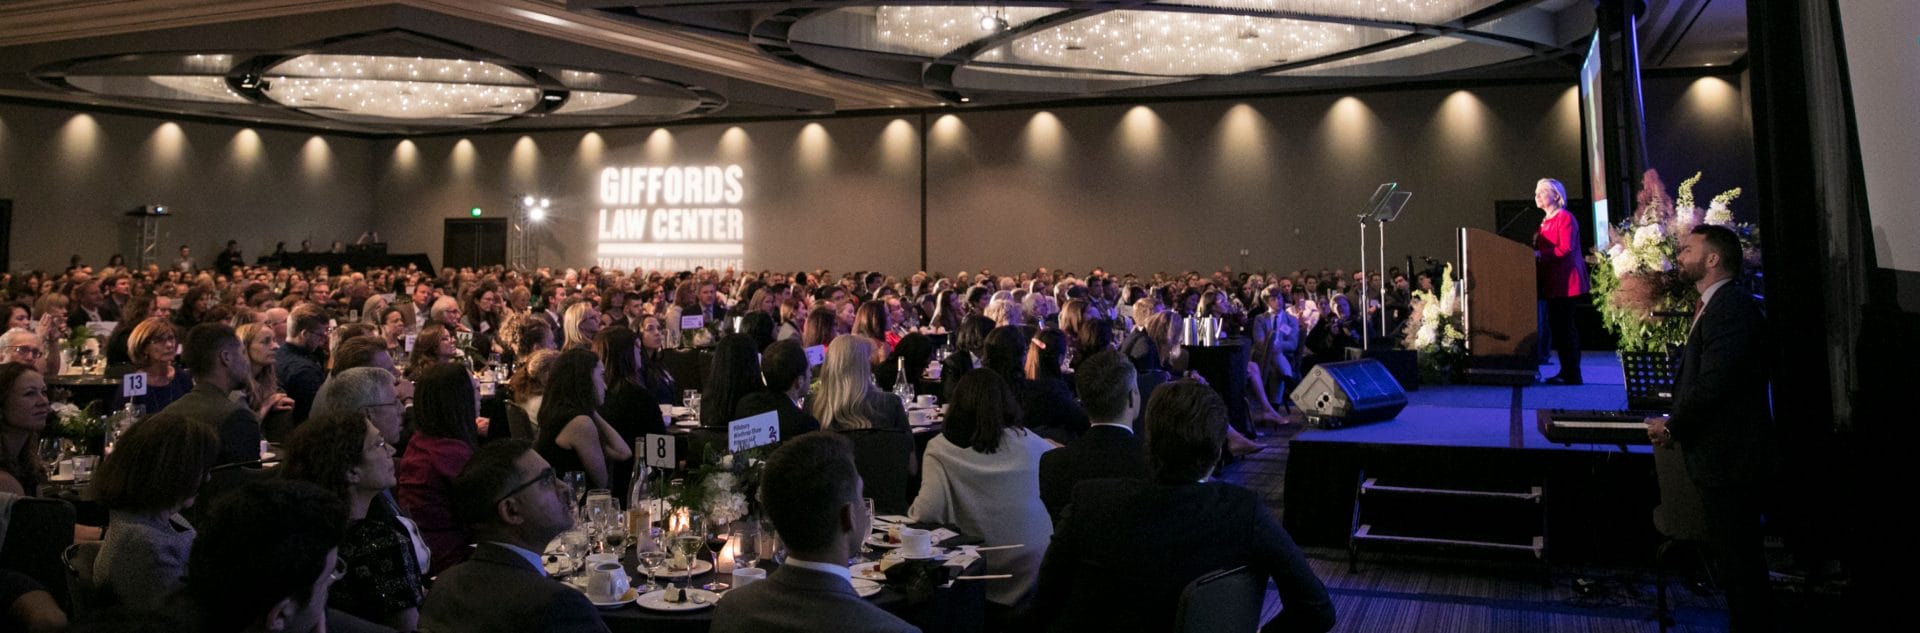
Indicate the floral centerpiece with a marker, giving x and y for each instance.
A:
(1637, 279)
(722, 489)
(81, 427)
(1434, 330)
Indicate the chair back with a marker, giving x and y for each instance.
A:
(883, 458)
(37, 536)
(85, 592)
(1680, 515)
(1224, 601)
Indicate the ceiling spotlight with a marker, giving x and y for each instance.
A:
(544, 203)
(993, 23)
(965, 99)
(538, 214)
(528, 201)
(551, 97)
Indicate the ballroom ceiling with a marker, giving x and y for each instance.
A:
(415, 66)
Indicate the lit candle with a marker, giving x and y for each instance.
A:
(723, 561)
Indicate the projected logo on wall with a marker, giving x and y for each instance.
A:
(672, 218)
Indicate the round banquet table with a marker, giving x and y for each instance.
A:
(957, 608)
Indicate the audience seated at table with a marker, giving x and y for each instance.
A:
(265, 559)
(262, 391)
(573, 436)
(811, 491)
(444, 438)
(1109, 391)
(982, 475)
(435, 345)
(215, 354)
(1046, 400)
(344, 453)
(628, 407)
(155, 345)
(848, 402)
(784, 370)
(155, 471)
(301, 362)
(1124, 549)
(512, 502)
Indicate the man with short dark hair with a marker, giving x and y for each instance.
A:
(265, 557)
(784, 368)
(301, 362)
(1110, 392)
(89, 305)
(220, 367)
(1168, 531)
(508, 499)
(811, 492)
(1722, 420)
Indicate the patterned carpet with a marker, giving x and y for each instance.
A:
(1409, 592)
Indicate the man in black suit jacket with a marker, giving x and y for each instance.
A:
(508, 499)
(1109, 391)
(1722, 419)
(219, 364)
(784, 368)
(1125, 549)
(811, 491)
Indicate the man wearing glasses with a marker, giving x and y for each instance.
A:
(509, 499)
(23, 347)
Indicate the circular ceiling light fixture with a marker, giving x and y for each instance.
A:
(1071, 47)
(384, 91)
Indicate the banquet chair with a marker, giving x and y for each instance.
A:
(1681, 521)
(86, 595)
(520, 424)
(37, 536)
(884, 459)
(1223, 601)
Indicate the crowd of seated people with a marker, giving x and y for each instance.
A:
(367, 382)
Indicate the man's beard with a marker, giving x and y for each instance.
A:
(1693, 273)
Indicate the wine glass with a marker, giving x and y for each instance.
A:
(51, 449)
(687, 545)
(613, 534)
(653, 562)
(576, 544)
(599, 507)
(864, 547)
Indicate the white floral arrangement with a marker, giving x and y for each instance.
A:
(1434, 330)
(1637, 278)
(725, 503)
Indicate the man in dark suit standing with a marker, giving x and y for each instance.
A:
(784, 368)
(1722, 421)
(1125, 549)
(1109, 391)
(811, 492)
(508, 499)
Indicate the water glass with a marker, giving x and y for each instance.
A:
(575, 543)
(613, 535)
(745, 540)
(600, 509)
(652, 561)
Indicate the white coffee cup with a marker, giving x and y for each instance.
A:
(926, 400)
(915, 542)
(607, 582)
(743, 576)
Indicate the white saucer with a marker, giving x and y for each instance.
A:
(935, 553)
(879, 539)
(629, 598)
(699, 567)
(866, 588)
(657, 600)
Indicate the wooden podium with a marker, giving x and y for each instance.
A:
(1501, 308)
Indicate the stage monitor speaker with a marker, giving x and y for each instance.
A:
(1334, 395)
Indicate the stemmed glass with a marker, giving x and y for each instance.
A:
(745, 537)
(687, 543)
(653, 561)
(864, 547)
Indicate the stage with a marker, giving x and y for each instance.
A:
(1594, 503)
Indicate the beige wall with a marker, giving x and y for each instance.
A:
(73, 176)
(1158, 187)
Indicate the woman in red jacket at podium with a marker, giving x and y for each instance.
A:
(1562, 268)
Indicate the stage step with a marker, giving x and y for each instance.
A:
(1374, 485)
(1538, 547)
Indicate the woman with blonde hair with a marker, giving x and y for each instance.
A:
(847, 402)
(263, 394)
(529, 387)
(581, 324)
(1005, 312)
(847, 398)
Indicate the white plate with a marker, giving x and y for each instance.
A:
(687, 424)
(866, 588)
(699, 567)
(934, 554)
(868, 571)
(657, 600)
(632, 595)
(879, 539)
(561, 567)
